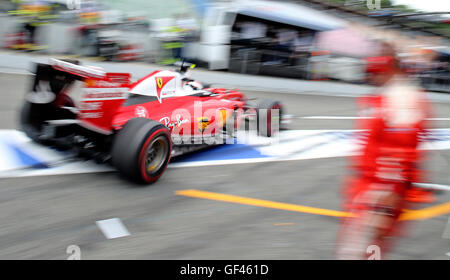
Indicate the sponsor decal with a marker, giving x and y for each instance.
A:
(91, 106)
(89, 83)
(172, 123)
(106, 84)
(104, 93)
(94, 115)
(141, 112)
(203, 123)
(95, 83)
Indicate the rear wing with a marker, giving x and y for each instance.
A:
(78, 70)
(90, 72)
(61, 73)
(95, 97)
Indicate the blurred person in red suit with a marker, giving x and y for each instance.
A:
(393, 124)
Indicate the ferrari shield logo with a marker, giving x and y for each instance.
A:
(159, 82)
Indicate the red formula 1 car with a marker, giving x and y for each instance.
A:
(136, 126)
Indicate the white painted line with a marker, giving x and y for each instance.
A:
(334, 118)
(81, 167)
(438, 119)
(291, 145)
(432, 186)
(14, 71)
(357, 118)
(446, 233)
(112, 228)
(220, 162)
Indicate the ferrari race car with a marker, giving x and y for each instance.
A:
(136, 126)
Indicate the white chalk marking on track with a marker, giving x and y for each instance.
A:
(113, 228)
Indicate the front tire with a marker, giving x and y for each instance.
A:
(268, 121)
(141, 150)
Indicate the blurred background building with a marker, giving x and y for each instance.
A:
(304, 39)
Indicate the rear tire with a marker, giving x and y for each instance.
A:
(265, 117)
(141, 150)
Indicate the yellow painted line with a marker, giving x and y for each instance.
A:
(262, 203)
(426, 213)
(283, 224)
(421, 214)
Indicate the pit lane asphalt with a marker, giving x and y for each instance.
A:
(41, 216)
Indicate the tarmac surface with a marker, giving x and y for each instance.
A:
(40, 217)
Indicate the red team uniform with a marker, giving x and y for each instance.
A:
(393, 124)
